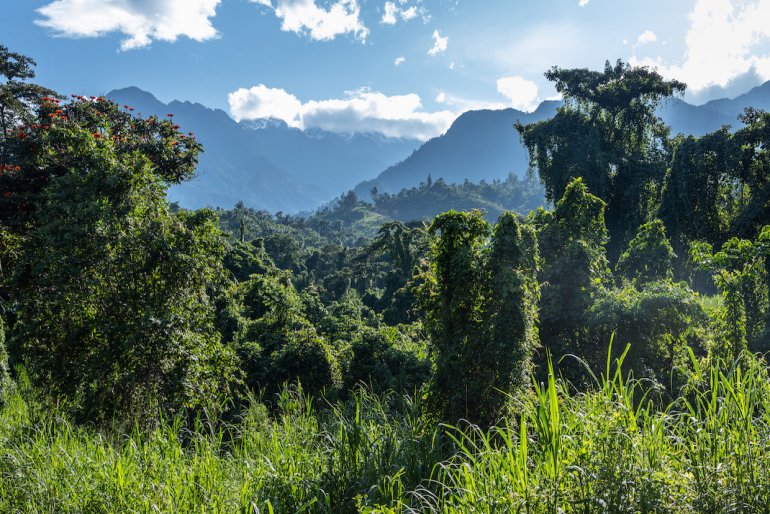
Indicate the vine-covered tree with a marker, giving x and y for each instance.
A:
(574, 266)
(649, 256)
(480, 309)
(741, 273)
(608, 133)
(697, 200)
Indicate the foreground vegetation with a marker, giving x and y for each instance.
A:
(154, 359)
(613, 449)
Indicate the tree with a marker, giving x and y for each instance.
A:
(274, 341)
(114, 292)
(649, 257)
(17, 97)
(659, 320)
(608, 133)
(740, 271)
(480, 309)
(511, 307)
(575, 270)
(697, 196)
(752, 173)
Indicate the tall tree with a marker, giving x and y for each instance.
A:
(480, 306)
(606, 132)
(574, 268)
(697, 199)
(649, 256)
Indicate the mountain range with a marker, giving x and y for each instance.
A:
(265, 163)
(270, 165)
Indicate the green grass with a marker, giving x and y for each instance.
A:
(608, 450)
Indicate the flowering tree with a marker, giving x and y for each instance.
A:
(111, 292)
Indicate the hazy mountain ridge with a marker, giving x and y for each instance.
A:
(265, 163)
(270, 165)
(484, 145)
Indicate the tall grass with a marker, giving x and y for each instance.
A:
(611, 449)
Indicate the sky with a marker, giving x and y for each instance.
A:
(404, 68)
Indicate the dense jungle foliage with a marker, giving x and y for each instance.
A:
(451, 348)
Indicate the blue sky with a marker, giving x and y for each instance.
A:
(400, 67)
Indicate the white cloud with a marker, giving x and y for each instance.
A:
(389, 14)
(461, 105)
(399, 61)
(392, 12)
(141, 21)
(583, 3)
(264, 102)
(359, 111)
(452, 65)
(522, 93)
(723, 43)
(439, 44)
(408, 14)
(647, 36)
(305, 17)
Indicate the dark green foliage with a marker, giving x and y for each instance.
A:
(17, 97)
(511, 306)
(697, 196)
(574, 270)
(113, 290)
(434, 197)
(387, 359)
(649, 257)
(480, 313)
(752, 173)
(607, 133)
(275, 343)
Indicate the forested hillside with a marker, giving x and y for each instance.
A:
(600, 353)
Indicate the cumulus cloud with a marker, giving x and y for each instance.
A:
(583, 3)
(392, 11)
(305, 17)
(439, 44)
(140, 20)
(725, 40)
(522, 93)
(359, 111)
(647, 36)
(399, 61)
(261, 102)
(389, 14)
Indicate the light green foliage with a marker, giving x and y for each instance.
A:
(659, 320)
(480, 314)
(740, 272)
(606, 450)
(649, 257)
(6, 383)
(367, 451)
